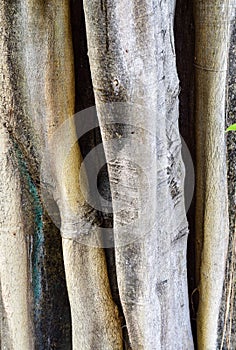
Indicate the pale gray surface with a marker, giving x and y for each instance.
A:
(132, 61)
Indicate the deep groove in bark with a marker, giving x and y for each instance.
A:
(184, 46)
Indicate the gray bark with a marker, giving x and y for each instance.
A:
(128, 53)
(137, 292)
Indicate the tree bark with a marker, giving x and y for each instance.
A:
(136, 93)
(133, 295)
(226, 325)
(212, 19)
(14, 267)
(40, 98)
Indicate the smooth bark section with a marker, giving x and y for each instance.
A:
(38, 67)
(94, 315)
(84, 98)
(212, 20)
(132, 60)
(14, 264)
(17, 331)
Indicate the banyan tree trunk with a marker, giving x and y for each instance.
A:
(126, 282)
(133, 65)
(37, 95)
(132, 60)
(212, 35)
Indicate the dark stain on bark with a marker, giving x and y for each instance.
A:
(52, 326)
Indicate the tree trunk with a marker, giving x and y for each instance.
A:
(39, 95)
(136, 92)
(212, 19)
(118, 276)
(32, 104)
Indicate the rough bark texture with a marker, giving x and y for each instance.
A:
(212, 19)
(128, 58)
